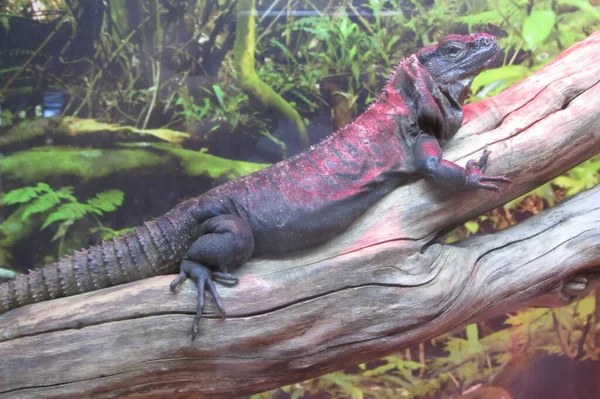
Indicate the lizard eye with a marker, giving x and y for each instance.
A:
(452, 51)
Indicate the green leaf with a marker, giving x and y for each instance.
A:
(19, 196)
(297, 394)
(383, 369)
(286, 52)
(564, 316)
(484, 18)
(473, 338)
(62, 230)
(538, 26)
(344, 381)
(106, 201)
(71, 211)
(25, 194)
(302, 97)
(41, 204)
(220, 95)
(352, 52)
(472, 226)
(507, 75)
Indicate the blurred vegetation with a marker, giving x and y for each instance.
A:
(153, 90)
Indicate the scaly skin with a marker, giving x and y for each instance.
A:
(297, 203)
(155, 248)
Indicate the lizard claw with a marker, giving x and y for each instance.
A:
(476, 178)
(481, 164)
(201, 275)
(178, 281)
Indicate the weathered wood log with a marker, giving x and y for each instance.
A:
(368, 293)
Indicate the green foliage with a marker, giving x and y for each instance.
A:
(225, 109)
(546, 30)
(73, 210)
(342, 44)
(342, 39)
(578, 179)
(6, 118)
(196, 163)
(465, 358)
(62, 206)
(537, 27)
(493, 81)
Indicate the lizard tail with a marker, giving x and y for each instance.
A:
(152, 249)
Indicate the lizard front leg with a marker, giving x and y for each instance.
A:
(224, 241)
(428, 160)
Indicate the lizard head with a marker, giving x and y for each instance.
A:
(459, 57)
(455, 61)
(434, 82)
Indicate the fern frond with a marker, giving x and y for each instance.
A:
(106, 201)
(41, 204)
(25, 194)
(19, 196)
(66, 193)
(71, 211)
(483, 18)
(510, 8)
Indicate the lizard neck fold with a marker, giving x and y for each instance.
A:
(437, 107)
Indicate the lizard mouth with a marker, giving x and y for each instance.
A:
(492, 59)
(496, 50)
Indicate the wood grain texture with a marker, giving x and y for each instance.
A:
(365, 294)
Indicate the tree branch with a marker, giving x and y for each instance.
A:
(368, 293)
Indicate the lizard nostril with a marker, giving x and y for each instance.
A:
(484, 41)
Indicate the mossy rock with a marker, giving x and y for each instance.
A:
(39, 164)
(196, 163)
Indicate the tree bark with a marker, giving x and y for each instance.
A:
(373, 290)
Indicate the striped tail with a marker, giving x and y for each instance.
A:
(152, 249)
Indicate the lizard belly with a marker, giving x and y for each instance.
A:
(307, 222)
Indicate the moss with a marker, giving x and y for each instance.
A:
(197, 163)
(243, 55)
(15, 228)
(38, 164)
(27, 130)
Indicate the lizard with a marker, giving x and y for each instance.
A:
(300, 202)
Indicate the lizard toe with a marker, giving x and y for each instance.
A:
(178, 281)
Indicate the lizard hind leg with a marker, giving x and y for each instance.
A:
(224, 242)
